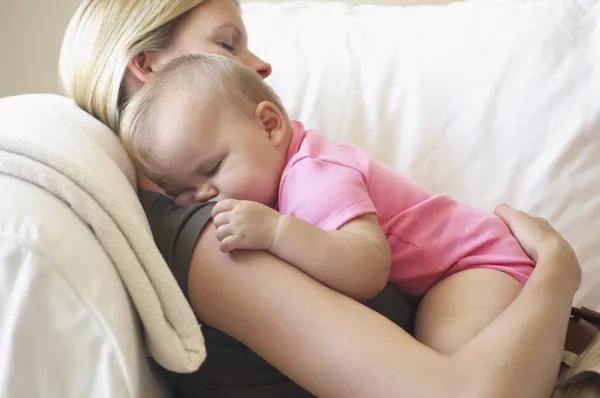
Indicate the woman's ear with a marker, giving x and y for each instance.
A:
(273, 122)
(143, 65)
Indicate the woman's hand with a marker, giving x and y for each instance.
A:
(554, 256)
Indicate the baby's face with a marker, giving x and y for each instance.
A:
(214, 154)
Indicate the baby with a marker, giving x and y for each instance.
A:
(207, 128)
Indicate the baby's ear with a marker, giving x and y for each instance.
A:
(272, 120)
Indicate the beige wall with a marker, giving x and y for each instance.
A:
(30, 36)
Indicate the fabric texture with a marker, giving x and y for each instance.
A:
(48, 141)
(431, 236)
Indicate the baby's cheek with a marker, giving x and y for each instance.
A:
(246, 187)
(184, 199)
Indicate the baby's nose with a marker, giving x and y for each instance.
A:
(205, 194)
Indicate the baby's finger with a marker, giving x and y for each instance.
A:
(228, 244)
(223, 205)
(223, 232)
(221, 218)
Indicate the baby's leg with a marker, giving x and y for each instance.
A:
(470, 255)
(461, 305)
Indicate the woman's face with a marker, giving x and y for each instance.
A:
(215, 27)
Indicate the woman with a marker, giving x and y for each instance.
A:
(507, 343)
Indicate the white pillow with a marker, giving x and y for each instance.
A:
(489, 101)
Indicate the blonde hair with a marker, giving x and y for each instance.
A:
(205, 80)
(103, 37)
(582, 380)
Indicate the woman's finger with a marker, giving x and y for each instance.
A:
(535, 234)
(527, 229)
(510, 215)
(521, 224)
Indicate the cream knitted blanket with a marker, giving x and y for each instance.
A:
(50, 142)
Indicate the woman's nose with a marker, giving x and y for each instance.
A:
(261, 67)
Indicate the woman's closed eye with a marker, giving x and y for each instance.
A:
(229, 38)
(229, 42)
(228, 47)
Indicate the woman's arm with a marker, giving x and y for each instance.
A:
(335, 347)
(308, 331)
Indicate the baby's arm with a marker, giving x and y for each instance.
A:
(354, 260)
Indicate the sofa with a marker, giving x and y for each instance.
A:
(489, 101)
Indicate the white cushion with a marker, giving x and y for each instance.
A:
(67, 326)
(489, 101)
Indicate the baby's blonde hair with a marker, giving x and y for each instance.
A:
(204, 80)
(103, 37)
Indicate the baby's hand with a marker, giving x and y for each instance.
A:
(244, 225)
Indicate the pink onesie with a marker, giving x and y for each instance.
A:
(431, 236)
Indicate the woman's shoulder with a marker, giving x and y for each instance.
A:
(162, 212)
(175, 229)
